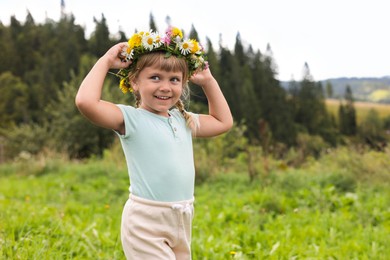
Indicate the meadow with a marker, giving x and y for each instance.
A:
(337, 207)
(362, 109)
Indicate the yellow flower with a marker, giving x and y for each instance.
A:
(122, 86)
(195, 46)
(135, 40)
(177, 32)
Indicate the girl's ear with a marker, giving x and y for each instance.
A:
(134, 85)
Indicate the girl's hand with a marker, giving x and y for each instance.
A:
(113, 56)
(202, 78)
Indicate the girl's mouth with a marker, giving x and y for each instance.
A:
(162, 97)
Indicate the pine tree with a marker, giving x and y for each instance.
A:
(311, 112)
(194, 34)
(329, 90)
(100, 41)
(8, 55)
(229, 82)
(347, 114)
(276, 111)
(152, 24)
(248, 105)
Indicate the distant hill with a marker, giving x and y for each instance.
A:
(364, 89)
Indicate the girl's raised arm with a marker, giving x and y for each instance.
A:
(219, 120)
(88, 98)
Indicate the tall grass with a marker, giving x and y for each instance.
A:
(337, 207)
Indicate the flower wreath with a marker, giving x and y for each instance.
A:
(172, 43)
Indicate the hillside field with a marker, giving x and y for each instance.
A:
(362, 108)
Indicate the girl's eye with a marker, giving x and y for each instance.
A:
(155, 77)
(175, 80)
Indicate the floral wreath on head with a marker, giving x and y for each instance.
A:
(172, 43)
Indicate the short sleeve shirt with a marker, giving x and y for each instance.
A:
(159, 154)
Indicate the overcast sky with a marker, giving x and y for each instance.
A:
(337, 38)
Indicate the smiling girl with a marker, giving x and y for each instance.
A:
(156, 135)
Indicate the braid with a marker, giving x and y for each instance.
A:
(137, 99)
(191, 120)
(180, 106)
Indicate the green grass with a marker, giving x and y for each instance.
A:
(335, 208)
(296, 218)
(73, 213)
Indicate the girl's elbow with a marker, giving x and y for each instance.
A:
(78, 102)
(228, 124)
(81, 103)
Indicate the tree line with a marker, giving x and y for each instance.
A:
(42, 66)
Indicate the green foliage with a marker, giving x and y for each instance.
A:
(76, 215)
(70, 132)
(371, 130)
(100, 41)
(332, 208)
(24, 139)
(329, 89)
(13, 100)
(223, 150)
(347, 114)
(310, 110)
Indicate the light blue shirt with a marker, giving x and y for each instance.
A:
(159, 154)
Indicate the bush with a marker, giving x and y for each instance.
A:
(219, 154)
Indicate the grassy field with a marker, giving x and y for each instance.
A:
(362, 108)
(334, 208)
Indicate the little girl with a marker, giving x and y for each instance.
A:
(156, 136)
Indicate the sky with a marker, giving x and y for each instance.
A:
(336, 38)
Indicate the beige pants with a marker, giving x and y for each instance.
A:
(156, 230)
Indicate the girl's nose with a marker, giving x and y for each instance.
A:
(165, 86)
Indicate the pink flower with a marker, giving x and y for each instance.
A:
(166, 40)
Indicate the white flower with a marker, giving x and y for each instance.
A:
(127, 54)
(176, 39)
(185, 47)
(149, 40)
(158, 41)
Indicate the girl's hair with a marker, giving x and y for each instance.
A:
(171, 63)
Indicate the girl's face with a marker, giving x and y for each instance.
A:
(159, 89)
